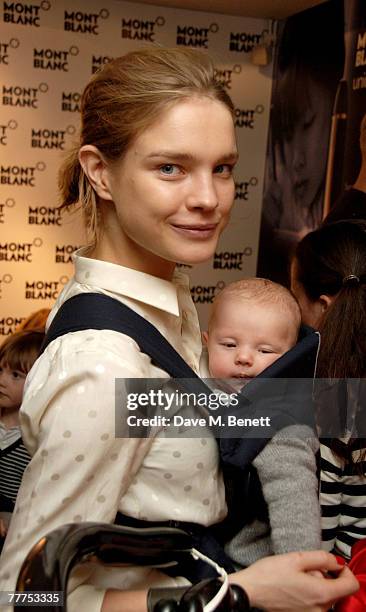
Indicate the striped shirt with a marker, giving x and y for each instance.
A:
(13, 461)
(343, 501)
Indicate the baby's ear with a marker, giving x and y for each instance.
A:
(204, 338)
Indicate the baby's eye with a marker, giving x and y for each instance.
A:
(169, 169)
(229, 344)
(266, 351)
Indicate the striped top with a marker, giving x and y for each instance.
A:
(343, 501)
(13, 461)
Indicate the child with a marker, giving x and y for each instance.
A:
(17, 355)
(253, 323)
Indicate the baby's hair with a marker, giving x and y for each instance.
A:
(263, 291)
(122, 100)
(20, 350)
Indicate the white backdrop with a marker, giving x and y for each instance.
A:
(48, 50)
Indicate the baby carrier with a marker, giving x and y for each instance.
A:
(98, 311)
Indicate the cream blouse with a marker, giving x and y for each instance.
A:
(79, 470)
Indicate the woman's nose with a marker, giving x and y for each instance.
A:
(203, 193)
(299, 160)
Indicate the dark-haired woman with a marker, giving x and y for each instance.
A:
(329, 280)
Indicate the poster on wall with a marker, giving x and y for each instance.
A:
(48, 51)
(346, 176)
(308, 66)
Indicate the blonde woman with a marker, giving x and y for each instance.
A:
(153, 173)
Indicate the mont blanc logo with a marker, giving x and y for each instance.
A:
(195, 36)
(243, 42)
(70, 101)
(23, 13)
(63, 252)
(53, 59)
(19, 251)
(44, 215)
(204, 294)
(21, 176)
(5, 280)
(224, 75)
(22, 96)
(231, 260)
(242, 189)
(245, 117)
(9, 323)
(44, 289)
(5, 49)
(84, 23)
(4, 131)
(47, 138)
(9, 203)
(360, 55)
(98, 62)
(140, 29)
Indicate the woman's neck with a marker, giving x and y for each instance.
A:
(131, 258)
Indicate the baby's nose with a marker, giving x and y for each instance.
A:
(244, 357)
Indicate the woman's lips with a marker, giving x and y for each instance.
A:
(196, 231)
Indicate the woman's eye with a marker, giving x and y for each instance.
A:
(169, 169)
(224, 169)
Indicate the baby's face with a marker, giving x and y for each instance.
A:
(246, 337)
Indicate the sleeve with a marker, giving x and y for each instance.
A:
(79, 470)
(287, 471)
(330, 495)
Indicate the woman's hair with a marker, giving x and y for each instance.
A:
(122, 100)
(20, 350)
(332, 261)
(37, 320)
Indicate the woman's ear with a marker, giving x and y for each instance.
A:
(325, 301)
(95, 168)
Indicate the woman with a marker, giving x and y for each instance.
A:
(153, 173)
(329, 280)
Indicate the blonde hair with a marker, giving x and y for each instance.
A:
(262, 291)
(37, 320)
(122, 100)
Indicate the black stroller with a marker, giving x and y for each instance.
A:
(48, 565)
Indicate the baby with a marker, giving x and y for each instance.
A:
(254, 322)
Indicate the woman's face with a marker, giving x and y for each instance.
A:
(173, 189)
(305, 152)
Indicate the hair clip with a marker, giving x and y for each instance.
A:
(351, 280)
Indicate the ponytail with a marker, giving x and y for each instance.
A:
(343, 335)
